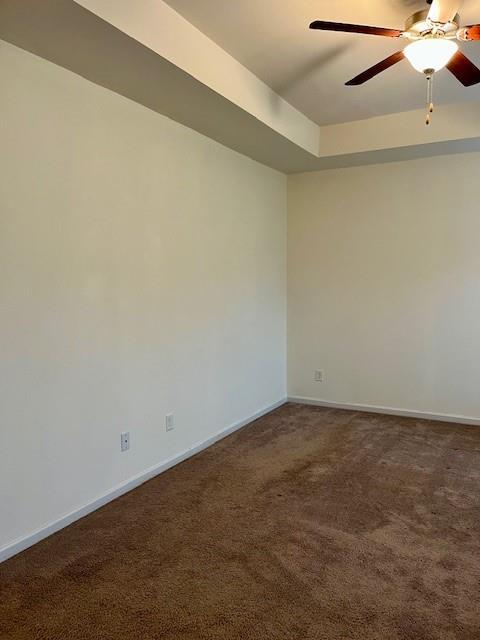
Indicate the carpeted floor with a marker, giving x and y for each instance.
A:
(309, 524)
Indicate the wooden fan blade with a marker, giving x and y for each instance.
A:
(355, 28)
(376, 69)
(464, 70)
(444, 10)
(471, 33)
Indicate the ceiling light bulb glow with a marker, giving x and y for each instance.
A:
(430, 53)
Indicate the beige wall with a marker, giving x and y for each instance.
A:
(384, 285)
(142, 271)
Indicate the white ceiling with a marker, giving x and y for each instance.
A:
(309, 68)
(146, 51)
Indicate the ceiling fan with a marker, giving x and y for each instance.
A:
(433, 35)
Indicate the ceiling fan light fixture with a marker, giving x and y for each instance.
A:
(430, 54)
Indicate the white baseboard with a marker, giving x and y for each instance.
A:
(21, 544)
(423, 415)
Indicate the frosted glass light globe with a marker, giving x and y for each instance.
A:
(430, 53)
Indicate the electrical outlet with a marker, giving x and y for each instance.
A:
(169, 422)
(319, 375)
(125, 441)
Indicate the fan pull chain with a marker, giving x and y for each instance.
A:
(429, 98)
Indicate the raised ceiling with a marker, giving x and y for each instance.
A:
(148, 52)
(309, 68)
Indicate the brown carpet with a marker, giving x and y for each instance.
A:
(309, 524)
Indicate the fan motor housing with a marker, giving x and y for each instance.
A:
(418, 25)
